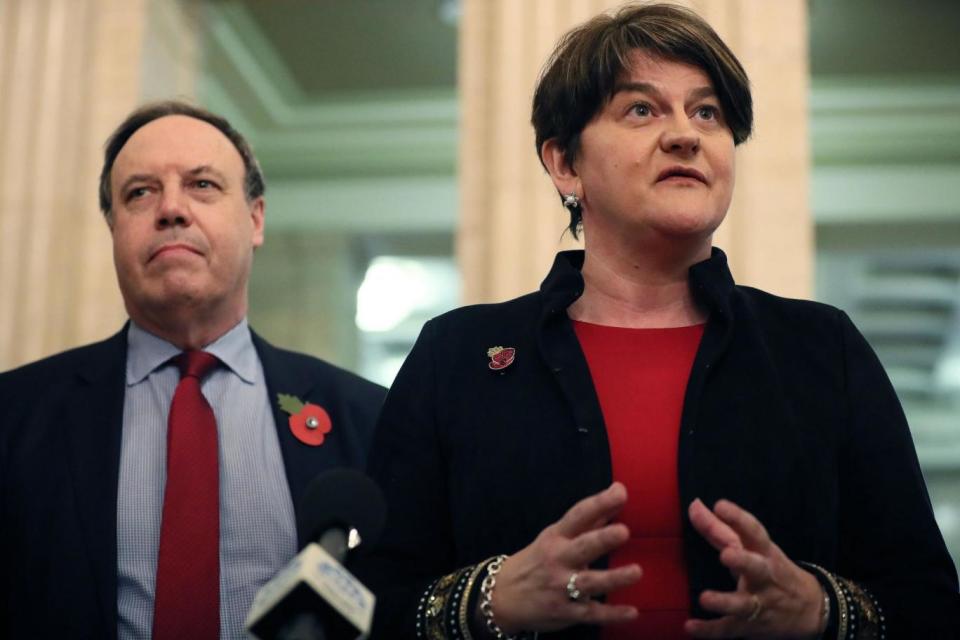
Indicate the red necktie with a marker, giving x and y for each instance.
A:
(187, 603)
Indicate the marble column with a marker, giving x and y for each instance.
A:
(70, 70)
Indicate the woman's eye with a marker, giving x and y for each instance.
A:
(708, 112)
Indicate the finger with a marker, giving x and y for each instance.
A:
(593, 612)
(589, 546)
(726, 627)
(753, 567)
(714, 530)
(600, 507)
(730, 603)
(597, 583)
(753, 534)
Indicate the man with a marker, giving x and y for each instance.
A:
(149, 483)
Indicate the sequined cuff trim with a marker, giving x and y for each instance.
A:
(443, 612)
(858, 614)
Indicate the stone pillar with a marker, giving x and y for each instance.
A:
(511, 220)
(305, 286)
(769, 231)
(70, 70)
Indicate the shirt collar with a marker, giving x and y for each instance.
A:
(710, 282)
(146, 352)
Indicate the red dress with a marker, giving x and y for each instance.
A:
(640, 376)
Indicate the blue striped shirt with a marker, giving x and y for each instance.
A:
(257, 529)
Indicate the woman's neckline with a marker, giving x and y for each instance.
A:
(687, 327)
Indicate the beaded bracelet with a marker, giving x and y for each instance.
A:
(825, 612)
(443, 590)
(464, 609)
(443, 609)
(426, 598)
(461, 594)
(866, 617)
(443, 612)
(858, 614)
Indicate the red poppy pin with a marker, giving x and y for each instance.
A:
(310, 423)
(500, 357)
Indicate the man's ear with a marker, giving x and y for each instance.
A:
(257, 211)
(562, 173)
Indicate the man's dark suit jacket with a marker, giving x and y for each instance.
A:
(60, 426)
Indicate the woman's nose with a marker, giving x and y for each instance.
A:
(680, 136)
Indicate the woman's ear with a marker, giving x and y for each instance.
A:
(562, 173)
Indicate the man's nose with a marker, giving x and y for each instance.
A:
(174, 209)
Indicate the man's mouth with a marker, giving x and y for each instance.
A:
(175, 247)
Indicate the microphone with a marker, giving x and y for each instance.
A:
(314, 597)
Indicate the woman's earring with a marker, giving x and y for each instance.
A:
(571, 201)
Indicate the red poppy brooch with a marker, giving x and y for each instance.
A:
(501, 357)
(309, 423)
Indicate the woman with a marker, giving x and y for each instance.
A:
(764, 480)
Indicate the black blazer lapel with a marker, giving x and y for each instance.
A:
(93, 429)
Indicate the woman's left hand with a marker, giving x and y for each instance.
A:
(775, 598)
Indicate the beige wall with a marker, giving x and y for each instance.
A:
(511, 218)
(70, 70)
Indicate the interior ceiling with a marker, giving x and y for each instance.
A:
(357, 45)
(333, 46)
(884, 37)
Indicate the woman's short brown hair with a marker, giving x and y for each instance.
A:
(582, 73)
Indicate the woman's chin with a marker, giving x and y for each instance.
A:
(690, 224)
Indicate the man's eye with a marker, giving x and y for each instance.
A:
(641, 109)
(139, 192)
(203, 184)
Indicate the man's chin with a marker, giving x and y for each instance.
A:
(169, 298)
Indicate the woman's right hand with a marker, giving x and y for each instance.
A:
(531, 588)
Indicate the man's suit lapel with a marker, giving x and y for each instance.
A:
(93, 427)
(291, 376)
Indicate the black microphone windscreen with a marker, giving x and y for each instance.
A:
(345, 499)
